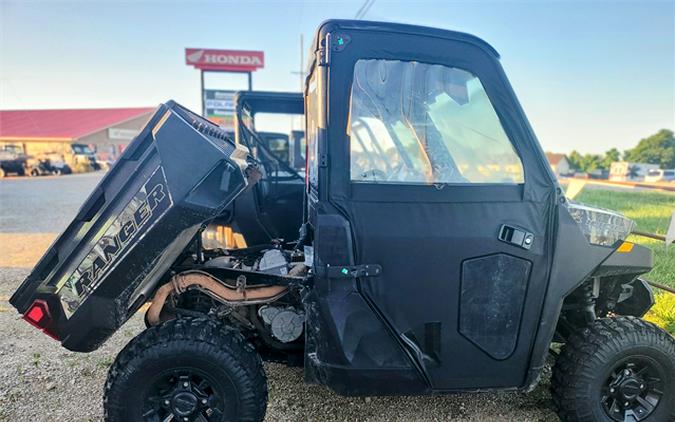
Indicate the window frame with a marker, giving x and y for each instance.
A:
(371, 43)
(312, 152)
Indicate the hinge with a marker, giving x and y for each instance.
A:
(353, 271)
(321, 57)
(323, 160)
(324, 51)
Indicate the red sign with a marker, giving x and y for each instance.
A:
(226, 60)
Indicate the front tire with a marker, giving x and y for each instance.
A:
(186, 369)
(616, 369)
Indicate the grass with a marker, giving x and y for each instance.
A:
(651, 212)
(663, 312)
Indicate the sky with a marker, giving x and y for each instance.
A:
(591, 75)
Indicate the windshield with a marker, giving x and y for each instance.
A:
(278, 144)
(82, 149)
(14, 149)
(277, 140)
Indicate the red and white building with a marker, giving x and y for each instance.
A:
(105, 131)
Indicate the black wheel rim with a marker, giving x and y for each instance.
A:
(183, 395)
(633, 390)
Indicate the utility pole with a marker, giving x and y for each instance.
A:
(302, 61)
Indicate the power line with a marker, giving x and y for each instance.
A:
(364, 9)
(301, 71)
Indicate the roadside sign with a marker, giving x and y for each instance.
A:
(225, 60)
(219, 107)
(122, 134)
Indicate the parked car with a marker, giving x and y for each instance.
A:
(58, 164)
(83, 158)
(46, 165)
(660, 175)
(11, 162)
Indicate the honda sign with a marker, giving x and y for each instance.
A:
(225, 60)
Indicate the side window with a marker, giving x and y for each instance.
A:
(416, 123)
(312, 131)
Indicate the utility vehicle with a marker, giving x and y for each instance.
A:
(437, 253)
(12, 160)
(47, 165)
(82, 157)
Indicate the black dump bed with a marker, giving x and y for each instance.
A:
(180, 171)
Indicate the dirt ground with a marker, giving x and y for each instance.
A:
(41, 381)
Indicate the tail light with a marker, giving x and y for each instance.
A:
(38, 315)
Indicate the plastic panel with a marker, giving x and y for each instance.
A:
(492, 295)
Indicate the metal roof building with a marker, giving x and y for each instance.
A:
(105, 130)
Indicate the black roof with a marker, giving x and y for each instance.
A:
(347, 24)
(270, 101)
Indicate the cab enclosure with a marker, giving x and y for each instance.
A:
(445, 252)
(272, 209)
(437, 251)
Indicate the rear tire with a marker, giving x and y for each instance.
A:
(608, 371)
(193, 369)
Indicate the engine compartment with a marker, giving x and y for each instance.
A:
(255, 290)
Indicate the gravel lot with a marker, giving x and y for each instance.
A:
(40, 381)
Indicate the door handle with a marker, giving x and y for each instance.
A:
(516, 236)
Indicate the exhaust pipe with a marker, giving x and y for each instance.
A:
(180, 282)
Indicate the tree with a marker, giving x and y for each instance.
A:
(575, 160)
(656, 149)
(591, 162)
(610, 156)
(585, 163)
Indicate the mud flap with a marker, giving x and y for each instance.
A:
(639, 301)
